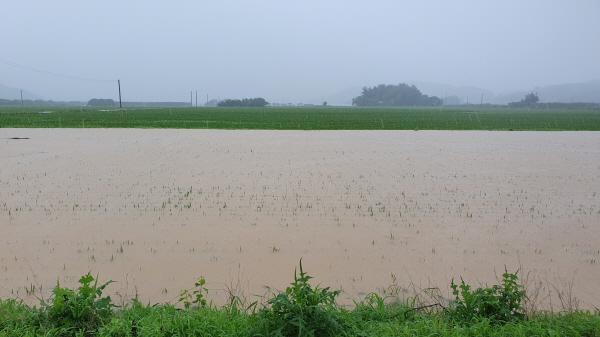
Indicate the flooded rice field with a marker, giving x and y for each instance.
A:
(365, 210)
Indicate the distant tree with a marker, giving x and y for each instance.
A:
(246, 102)
(395, 95)
(531, 99)
(325, 103)
(101, 102)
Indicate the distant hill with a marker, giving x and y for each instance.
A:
(459, 94)
(10, 93)
(395, 95)
(582, 92)
(588, 92)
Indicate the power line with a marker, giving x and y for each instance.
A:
(41, 71)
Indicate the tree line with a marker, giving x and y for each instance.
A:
(245, 102)
(395, 95)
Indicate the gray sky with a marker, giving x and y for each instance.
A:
(293, 50)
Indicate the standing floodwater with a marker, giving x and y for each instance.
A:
(154, 209)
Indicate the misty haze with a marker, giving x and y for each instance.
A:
(307, 169)
(305, 52)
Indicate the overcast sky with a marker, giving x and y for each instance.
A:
(292, 50)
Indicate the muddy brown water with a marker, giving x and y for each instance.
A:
(155, 209)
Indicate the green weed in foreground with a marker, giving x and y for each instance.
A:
(301, 310)
(499, 303)
(195, 296)
(83, 310)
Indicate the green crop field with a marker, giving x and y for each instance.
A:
(308, 118)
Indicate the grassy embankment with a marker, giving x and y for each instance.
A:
(301, 310)
(309, 118)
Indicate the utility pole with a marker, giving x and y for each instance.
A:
(191, 101)
(120, 103)
(206, 98)
(21, 97)
(481, 99)
(196, 98)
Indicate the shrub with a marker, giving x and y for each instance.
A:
(195, 297)
(500, 303)
(79, 311)
(302, 310)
